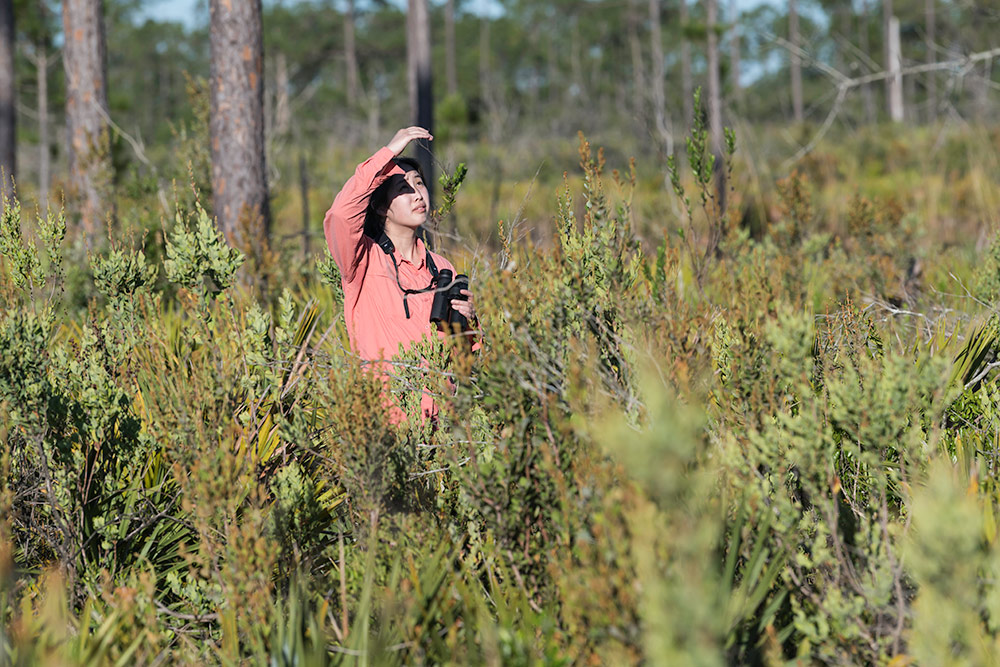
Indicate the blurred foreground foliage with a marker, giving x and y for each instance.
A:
(780, 445)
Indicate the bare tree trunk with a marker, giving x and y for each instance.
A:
(84, 59)
(8, 117)
(796, 61)
(865, 47)
(930, 36)
(304, 192)
(734, 54)
(451, 68)
(552, 67)
(418, 30)
(981, 90)
(374, 114)
(658, 98)
(576, 57)
(487, 91)
(714, 85)
(687, 84)
(282, 110)
(894, 62)
(638, 73)
(236, 123)
(484, 58)
(44, 160)
(350, 55)
(715, 101)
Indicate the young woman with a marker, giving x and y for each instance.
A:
(387, 273)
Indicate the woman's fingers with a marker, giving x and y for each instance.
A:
(466, 308)
(403, 137)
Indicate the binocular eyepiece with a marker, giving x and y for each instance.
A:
(449, 288)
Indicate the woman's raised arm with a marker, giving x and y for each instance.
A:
(344, 224)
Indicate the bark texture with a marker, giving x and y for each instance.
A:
(418, 31)
(8, 118)
(85, 62)
(236, 123)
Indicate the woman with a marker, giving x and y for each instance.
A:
(387, 272)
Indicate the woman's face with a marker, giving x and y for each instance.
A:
(407, 200)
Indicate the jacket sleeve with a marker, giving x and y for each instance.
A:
(344, 224)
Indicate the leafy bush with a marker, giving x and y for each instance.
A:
(630, 470)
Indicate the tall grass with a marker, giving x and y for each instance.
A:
(781, 448)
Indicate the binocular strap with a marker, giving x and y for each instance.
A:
(388, 248)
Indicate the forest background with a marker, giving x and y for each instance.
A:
(737, 400)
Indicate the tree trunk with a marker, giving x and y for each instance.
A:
(715, 101)
(894, 61)
(282, 110)
(734, 54)
(350, 56)
(575, 58)
(236, 123)
(85, 62)
(487, 91)
(552, 73)
(484, 60)
(451, 68)
(638, 73)
(796, 61)
(687, 84)
(374, 106)
(418, 31)
(714, 85)
(304, 193)
(8, 117)
(981, 90)
(658, 98)
(864, 45)
(44, 160)
(929, 37)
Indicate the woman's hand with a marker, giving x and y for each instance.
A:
(403, 138)
(466, 308)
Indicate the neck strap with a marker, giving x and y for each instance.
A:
(389, 249)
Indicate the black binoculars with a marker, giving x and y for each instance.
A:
(449, 288)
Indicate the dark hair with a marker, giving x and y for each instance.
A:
(375, 221)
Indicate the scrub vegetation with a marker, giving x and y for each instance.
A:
(692, 436)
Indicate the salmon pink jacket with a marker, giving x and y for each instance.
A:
(373, 302)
